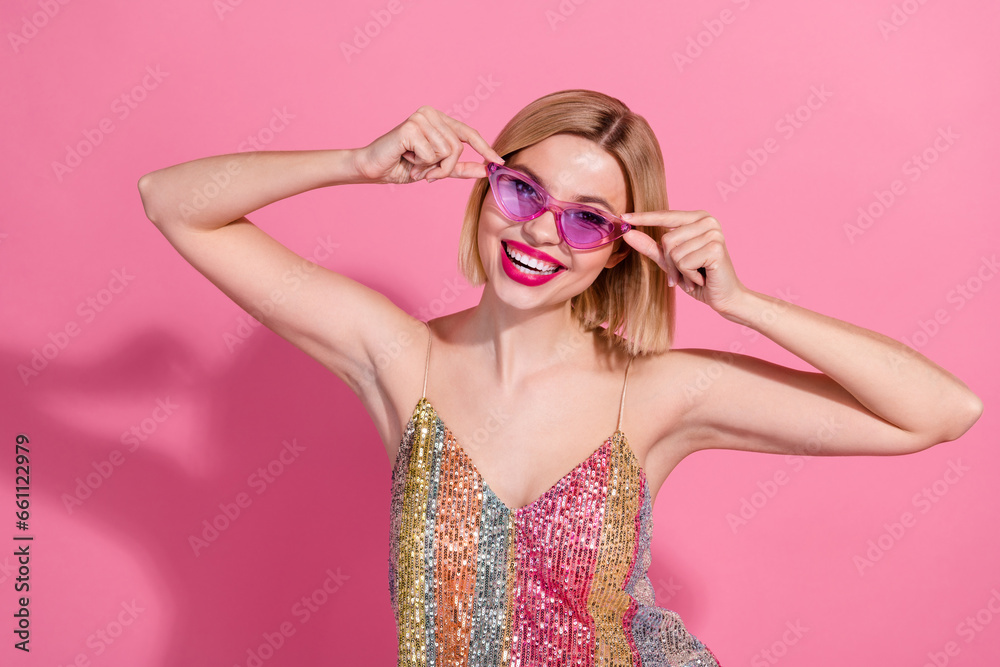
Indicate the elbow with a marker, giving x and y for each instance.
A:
(968, 417)
(147, 193)
(959, 422)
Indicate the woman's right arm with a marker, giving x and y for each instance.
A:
(201, 207)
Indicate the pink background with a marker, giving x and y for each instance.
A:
(82, 82)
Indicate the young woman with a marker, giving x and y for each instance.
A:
(513, 540)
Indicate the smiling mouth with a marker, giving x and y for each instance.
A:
(530, 265)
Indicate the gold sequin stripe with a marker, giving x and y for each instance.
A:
(607, 602)
(411, 578)
(398, 480)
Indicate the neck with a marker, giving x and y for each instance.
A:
(521, 343)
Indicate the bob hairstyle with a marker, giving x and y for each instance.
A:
(632, 298)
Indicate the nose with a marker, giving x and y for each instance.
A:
(542, 230)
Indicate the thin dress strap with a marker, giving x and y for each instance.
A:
(621, 408)
(427, 363)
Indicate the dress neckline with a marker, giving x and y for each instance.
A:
(618, 436)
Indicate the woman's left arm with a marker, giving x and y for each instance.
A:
(882, 396)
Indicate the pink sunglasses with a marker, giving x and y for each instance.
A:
(579, 225)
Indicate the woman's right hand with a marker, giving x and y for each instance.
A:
(427, 145)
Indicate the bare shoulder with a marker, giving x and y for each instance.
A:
(665, 389)
(393, 383)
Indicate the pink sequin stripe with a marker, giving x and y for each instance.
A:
(551, 623)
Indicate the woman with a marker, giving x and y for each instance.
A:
(569, 231)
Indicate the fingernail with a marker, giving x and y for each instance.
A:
(431, 180)
(670, 281)
(626, 216)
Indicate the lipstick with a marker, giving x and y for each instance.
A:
(516, 273)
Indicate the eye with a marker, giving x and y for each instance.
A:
(589, 218)
(524, 189)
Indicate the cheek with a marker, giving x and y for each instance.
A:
(486, 238)
(595, 261)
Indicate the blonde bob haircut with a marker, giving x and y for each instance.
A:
(631, 299)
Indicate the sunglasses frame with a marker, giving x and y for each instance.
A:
(550, 203)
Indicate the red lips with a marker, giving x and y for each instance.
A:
(532, 252)
(520, 276)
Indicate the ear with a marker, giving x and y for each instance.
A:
(620, 252)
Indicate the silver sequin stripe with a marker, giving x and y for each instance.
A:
(659, 634)
(490, 604)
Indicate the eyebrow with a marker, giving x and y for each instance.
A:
(582, 199)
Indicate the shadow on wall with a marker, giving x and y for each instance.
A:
(256, 492)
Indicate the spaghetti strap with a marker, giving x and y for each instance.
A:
(621, 408)
(427, 362)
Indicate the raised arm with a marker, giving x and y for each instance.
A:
(873, 395)
(201, 207)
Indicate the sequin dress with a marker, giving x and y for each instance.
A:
(560, 581)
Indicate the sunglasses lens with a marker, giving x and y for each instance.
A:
(586, 228)
(518, 198)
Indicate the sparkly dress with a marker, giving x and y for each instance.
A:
(560, 581)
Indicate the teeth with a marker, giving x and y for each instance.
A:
(537, 265)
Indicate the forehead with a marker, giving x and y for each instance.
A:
(575, 169)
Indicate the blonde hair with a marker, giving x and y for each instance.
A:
(631, 298)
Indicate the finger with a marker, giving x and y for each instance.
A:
(685, 261)
(693, 255)
(680, 239)
(474, 139)
(435, 138)
(664, 218)
(676, 247)
(449, 162)
(447, 144)
(421, 149)
(418, 172)
(469, 170)
(644, 244)
(419, 138)
(641, 242)
(655, 251)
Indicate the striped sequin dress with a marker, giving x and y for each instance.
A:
(560, 581)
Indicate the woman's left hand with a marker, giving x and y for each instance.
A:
(692, 251)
